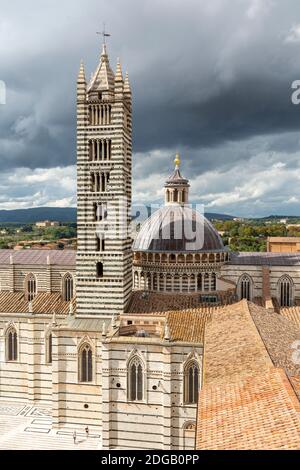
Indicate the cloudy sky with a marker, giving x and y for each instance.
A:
(210, 79)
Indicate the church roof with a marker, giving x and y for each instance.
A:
(265, 259)
(158, 302)
(260, 412)
(249, 397)
(103, 79)
(43, 302)
(39, 257)
(176, 179)
(292, 313)
(188, 325)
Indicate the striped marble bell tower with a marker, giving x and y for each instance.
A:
(104, 271)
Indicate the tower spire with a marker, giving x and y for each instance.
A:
(103, 78)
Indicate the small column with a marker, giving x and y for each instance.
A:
(98, 150)
(139, 280)
(107, 149)
(94, 115)
(93, 150)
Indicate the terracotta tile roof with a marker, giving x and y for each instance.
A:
(260, 412)
(43, 302)
(39, 257)
(184, 325)
(295, 381)
(233, 347)
(246, 402)
(292, 313)
(188, 325)
(278, 334)
(149, 302)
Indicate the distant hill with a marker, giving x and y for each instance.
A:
(279, 217)
(211, 216)
(61, 214)
(36, 214)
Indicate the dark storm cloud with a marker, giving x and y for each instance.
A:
(212, 79)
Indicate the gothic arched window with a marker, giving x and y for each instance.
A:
(245, 287)
(285, 292)
(191, 382)
(135, 380)
(30, 287)
(86, 364)
(68, 287)
(11, 345)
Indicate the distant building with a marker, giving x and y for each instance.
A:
(47, 223)
(283, 244)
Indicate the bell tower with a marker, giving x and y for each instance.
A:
(103, 265)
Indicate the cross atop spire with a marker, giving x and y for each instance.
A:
(104, 34)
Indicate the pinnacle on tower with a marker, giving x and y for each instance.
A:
(127, 88)
(81, 74)
(118, 76)
(81, 83)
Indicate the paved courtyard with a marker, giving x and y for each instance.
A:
(28, 427)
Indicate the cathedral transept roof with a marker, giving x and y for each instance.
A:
(38, 257)
(43, 303)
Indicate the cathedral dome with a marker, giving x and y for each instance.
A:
(178, 228)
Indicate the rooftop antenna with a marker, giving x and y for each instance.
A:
(104, 34)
